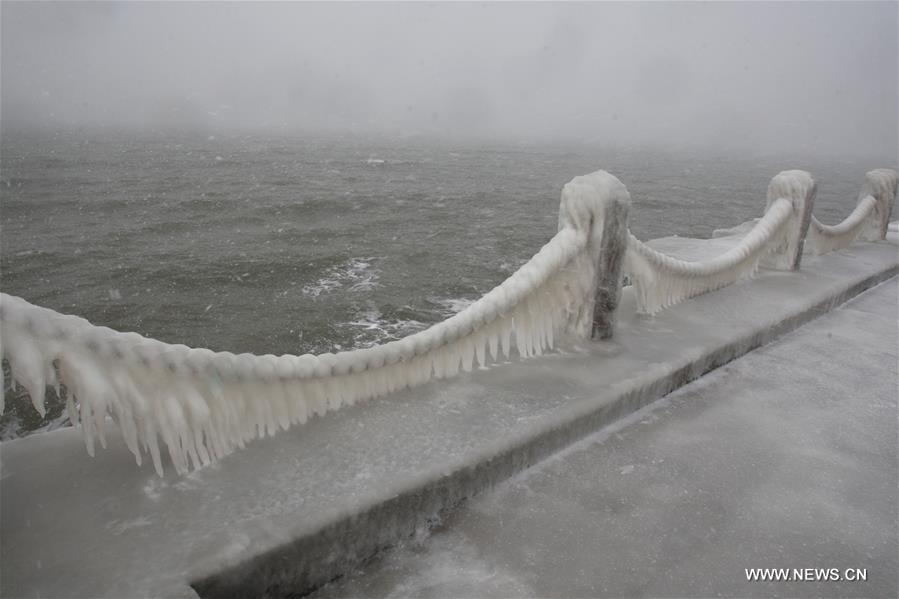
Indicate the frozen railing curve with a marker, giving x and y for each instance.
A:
(868, 221)
(660, 280)
(203, 404)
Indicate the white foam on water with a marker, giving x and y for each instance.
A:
(451, 306)
(371, 328)
(353, 275)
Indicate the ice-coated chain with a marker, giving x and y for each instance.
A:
(661, 280)
(868, 221)
(203, 404)
(826, 238)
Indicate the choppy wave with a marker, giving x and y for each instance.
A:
(453, 305)
(353, 275)
(371, 327)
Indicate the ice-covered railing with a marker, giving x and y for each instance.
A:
(867, 222)
(661, 280)
(203, 404)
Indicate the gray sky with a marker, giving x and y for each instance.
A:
(763, 76)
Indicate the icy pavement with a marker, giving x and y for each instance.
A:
(784, 458)
(292, 511)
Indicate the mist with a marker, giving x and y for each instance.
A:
(804, 77)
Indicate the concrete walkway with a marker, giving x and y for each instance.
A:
(784, 458)
(291, 512)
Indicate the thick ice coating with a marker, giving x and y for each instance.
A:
(776, 241)
(868, 221)
(661, 280)
(203, 404)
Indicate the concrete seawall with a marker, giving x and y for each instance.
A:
(293, 511)
(779, 459)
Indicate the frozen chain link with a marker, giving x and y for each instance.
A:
(203, 404)
(662, 280)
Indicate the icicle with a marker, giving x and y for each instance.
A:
(197, 416)
(551, 323)
(537, 312)
(284, 370)
(533, 332)
(437, 362)
(351, 391)
(84, 377)
(298, 397)
(318, 397)
(493, 335)
(243, 425)
(28, 367)
(453, 357)
(506, 335)
(520, 329)
(150, 435)
(548, 309)
(332, 392)
(358, 386)
(280, 408)
(100, 423)
(70, 407)
(467, 353)
(271, 395)
(87, 426)
(379, 382)
(401, 375)
(479, 339)
(218, 392)
(422, 369)
(171, 419)
(393, 376)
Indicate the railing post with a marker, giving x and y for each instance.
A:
(800, 189)
(881, 184)
(598, 204)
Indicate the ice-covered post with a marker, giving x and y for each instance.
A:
(800, 189)
(597, 204)
(881, 185)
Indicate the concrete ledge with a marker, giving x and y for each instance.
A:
(294, 511)
(736, 469)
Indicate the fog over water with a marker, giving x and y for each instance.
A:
(805, 77)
